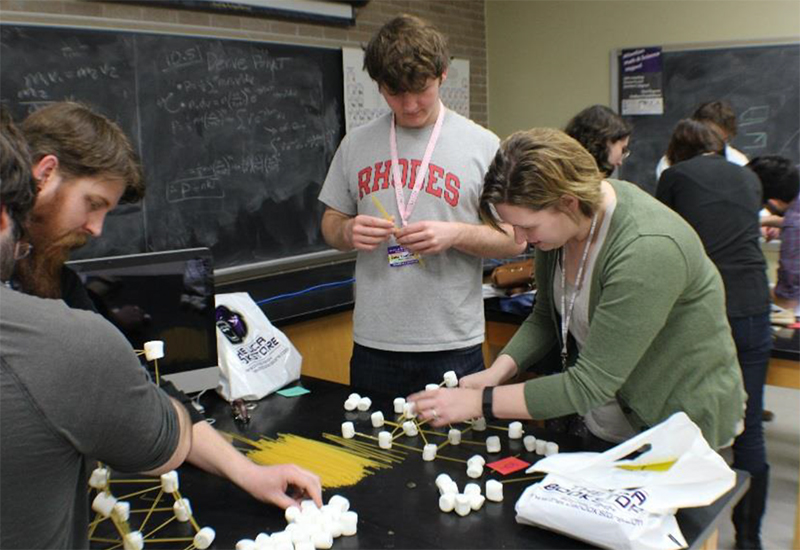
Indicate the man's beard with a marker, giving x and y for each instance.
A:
(40, 273)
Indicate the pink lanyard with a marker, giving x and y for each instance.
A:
(405, 211)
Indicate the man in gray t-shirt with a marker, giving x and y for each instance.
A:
(71, 392)
(419, 310)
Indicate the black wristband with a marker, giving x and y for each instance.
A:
(488, 402)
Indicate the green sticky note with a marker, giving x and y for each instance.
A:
(294, 391)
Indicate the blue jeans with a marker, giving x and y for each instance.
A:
(401, 373)
(753, 338)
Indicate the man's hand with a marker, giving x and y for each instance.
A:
(429, 237)
(283, 485)
(368, 232)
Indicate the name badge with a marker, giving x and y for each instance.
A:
(400, 256)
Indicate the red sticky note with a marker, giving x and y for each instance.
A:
(508, 465)
(793, 325)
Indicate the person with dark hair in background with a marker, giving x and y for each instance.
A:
(72, 391)
(720, 117)
(722, 200)
(84, 166)
(780, 182)
(418, 303)
(603, 133)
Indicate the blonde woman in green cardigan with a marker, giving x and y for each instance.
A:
(629, 320)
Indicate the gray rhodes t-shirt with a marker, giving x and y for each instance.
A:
(415, 308)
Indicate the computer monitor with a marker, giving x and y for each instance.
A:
(166, 296)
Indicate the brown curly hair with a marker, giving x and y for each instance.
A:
(594, 128)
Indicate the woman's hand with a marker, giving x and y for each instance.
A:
(445, 406)
(501, 370)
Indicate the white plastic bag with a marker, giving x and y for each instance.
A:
(614, 503)
(255, 358)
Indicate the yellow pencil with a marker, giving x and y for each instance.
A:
(387, 217)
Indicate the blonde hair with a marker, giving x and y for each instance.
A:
(535, 169)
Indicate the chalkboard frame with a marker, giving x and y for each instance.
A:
(615, 57)
(229, 274)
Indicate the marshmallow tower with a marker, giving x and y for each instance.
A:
(450, 379)
(384, 440)
(494, 490)
(515, 430)
(493, 444)
(204, 538)
(377, 419)
(530, 443)
(429, 452)
(454, 436)
(153, 350)
(348, 430)
(399, 405)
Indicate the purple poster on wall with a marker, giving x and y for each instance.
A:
(641, 91)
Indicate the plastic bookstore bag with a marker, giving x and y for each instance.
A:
(614, 501)
(255, 358)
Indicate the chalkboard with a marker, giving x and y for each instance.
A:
(235, 136)
(760, 82)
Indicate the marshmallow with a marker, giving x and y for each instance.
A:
(462, 504)
(262, 539)
(377, 419)
(104, 503)
(454, 436)
(204, 538)
(364, 404)
(384, 440)
(322, 540)
(515, 430)
(472, 489)
(530, 443)
(350, 404)
(476, 502)
(99, 478)
(284, 545)
(479, 424)
(348, 430)
(493, 444)
(474, 470)
(429, 452)
(410, 428)
(477, 459)
(291, 514)
(399, 405)
(182, 509)
(246, 544)
(299, 534)
(431, 387)
(442, 479)
(494, 490)
(122, 510)
(450, 379)
(338, 502)
(169, 481)
(304, 545)
(133, 541)
(349, 523)
(551, 448)
(447, 502)
(409, 410)
(333, 526)
(541, 445)
(449, 488)
(308, 505)
(354, 396)
(153, 350)
(281, 537)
